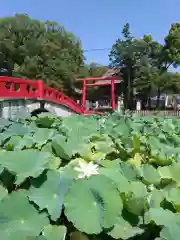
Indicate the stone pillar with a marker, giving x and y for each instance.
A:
(138, 105)
(120, 104)
(96, 104)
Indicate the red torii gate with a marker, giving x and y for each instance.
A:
(111, 82)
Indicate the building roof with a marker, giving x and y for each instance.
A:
(110, 72)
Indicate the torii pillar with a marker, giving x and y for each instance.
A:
(100, 81)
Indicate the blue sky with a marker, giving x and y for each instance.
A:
(98, 23)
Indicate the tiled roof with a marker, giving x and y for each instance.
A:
(110, 72)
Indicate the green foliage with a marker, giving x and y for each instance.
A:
(35, 49)
(40, 50)
(110, 177)
(92, 70)
(144, 64)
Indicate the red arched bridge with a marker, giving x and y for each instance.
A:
(20, 96)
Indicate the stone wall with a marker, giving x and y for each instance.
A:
(10, 108)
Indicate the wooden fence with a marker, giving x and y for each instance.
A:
(157, 113)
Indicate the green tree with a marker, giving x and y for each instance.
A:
(96, 70)
(145, 63)
(148, 80)
(41, 50)
(92, 70)
(126, 54)
(164, 57)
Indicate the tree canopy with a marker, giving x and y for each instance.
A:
(34, 49)
(145, 64)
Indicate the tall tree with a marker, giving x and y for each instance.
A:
(40, 50)
(126, 54)
(145, 63)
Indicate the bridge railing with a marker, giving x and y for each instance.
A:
(17, 88)
(51, 94)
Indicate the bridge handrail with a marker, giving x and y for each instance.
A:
(17, 88)
(57, 93)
